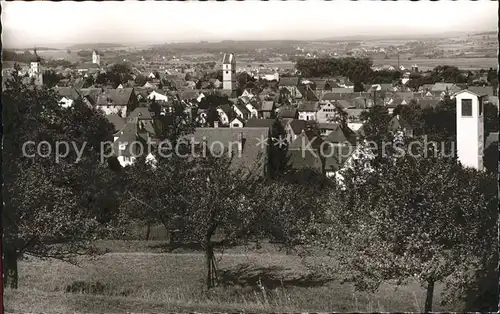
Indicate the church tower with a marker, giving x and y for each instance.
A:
(228, 72)
(96, 58)
(36, 69)
(470, 129)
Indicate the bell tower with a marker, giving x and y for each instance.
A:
(229, 72)
(35, 69)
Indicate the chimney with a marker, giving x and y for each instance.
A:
(216, 124)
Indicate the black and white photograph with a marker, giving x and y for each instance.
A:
(250, 156)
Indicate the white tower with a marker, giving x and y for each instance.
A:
(96, 58)
(228, 72)
(36, 69)
(470, 129)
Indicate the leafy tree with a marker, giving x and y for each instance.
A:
(51, 78)
(51, 209)
(140, 80)
(119, 73)
(415, 217)
(491, 118)
(102, 79)
(277, 150)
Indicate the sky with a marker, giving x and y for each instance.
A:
(27, 24)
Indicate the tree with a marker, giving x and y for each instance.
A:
(51, 78)
(51, 209)
(119, 73)
(412, 218)
(140, 80)
(491, 118)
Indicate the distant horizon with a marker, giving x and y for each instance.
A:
(45, 23)
(337, 38)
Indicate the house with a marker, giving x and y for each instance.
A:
(252, 108)
(307, 110)
(287, 113)
(267, 109)
(450, 88)
(293, 128)
(337, 134)
(157, 96)
(117, 122)
(307, 93)
(236, 123)
(241, 111)
(343, 157)
(327, 112)
(306, 152)
(118, 101)
(397, 123)
(225, 113)
(68, 96)
(124, 147)
(215, 82)
(246, 146)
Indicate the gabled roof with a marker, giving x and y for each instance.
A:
(297, 126)
(267, 105)
(309, 106)
(142, 113)
(117, 121)
(68, 92)
(252, 149)
(244, 110)
(304, 138)
(332, 96)
(341, 136)
(479, 90)
(259, 123)
(117, 97)
(337, 156)
(444, 87)
(287, 112)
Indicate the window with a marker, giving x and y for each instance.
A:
(466, 107)
(227, 72)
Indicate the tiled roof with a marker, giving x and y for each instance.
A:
(337, 156)
(297, 126)
(117, 97)
(309, 106)
(68, 92)
(287, 112)
(267, 105)
(443, 87)
(341, 135)
(259, 123)
(252, 149)
(142, 113)
(117, 121)
(478, 90)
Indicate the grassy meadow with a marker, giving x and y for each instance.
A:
(141, 276)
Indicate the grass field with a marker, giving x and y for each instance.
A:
(134, 278)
